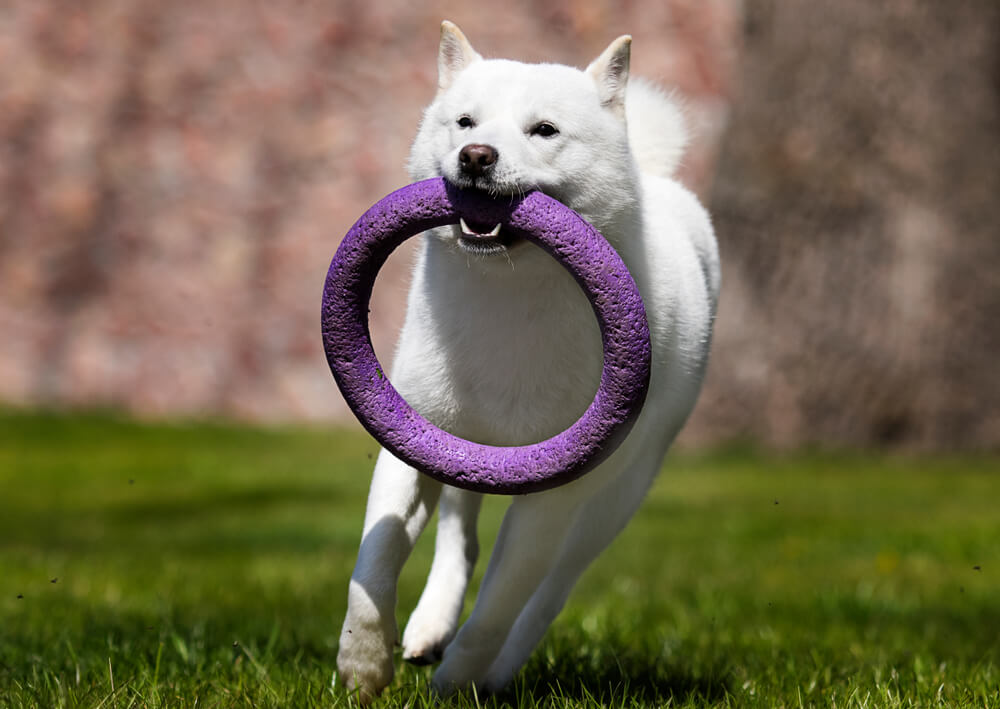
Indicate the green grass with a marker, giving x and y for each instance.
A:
(204, 564)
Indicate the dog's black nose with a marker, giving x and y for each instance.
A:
(475, 159)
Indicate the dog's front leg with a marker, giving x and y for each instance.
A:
(399, 504)
(433, 623)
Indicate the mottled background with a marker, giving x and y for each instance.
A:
(175, 176)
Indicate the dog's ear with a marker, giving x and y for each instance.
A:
(454, 54)
(610, 73)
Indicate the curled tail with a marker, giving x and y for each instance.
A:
(656, 128)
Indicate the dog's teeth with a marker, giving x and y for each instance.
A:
(469, 231)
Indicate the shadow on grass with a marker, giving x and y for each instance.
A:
(646, 687)
(608, 673)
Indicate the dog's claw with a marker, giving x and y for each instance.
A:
(427, 658)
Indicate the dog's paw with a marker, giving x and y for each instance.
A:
(462, 669)
(497, 679)
(420, 659)
(364, 663)
(425, 639)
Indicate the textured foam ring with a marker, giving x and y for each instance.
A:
(398, 427)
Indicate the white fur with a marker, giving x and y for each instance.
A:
(504, 349)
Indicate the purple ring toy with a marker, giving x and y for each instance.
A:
(573, 242)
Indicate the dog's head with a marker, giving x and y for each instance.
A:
(506, 128)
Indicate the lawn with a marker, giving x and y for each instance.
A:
(206, 564)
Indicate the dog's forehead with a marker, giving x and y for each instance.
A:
(502, 82)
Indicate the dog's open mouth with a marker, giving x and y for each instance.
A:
(483, 239)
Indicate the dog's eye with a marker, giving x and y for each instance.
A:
(544, 129)
(465, 122)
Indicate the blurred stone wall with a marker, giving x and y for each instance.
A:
(858, 207)
(174, 178)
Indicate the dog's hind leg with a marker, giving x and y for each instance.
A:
(596, 525)
(527, 545)
(400, 502)
(432, 624)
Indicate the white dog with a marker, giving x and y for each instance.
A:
(501, 347)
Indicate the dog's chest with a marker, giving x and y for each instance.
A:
(523, 356)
